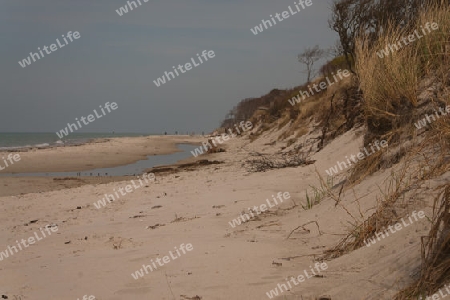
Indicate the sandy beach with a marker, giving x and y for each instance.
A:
(96, 251)
(309, 160)
(101, 153)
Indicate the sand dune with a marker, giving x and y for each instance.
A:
(95, 251)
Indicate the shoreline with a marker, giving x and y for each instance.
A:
(47, 140)
(61, 159)
(97, 154)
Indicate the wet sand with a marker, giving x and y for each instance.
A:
(102, 153)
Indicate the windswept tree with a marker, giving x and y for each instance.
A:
(348, 16)
(308, 57)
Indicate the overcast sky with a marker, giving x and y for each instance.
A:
(117, 58)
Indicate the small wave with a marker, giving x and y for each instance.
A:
(10, 148)
(42, 145)
(18, 148)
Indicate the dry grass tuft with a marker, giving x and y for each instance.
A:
(435, 251)
(387, 213)
(391, 83)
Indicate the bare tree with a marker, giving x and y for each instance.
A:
(308, 57)
(335, 50)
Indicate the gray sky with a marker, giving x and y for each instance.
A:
(117, 58)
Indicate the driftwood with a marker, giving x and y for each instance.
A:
(263, 162)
